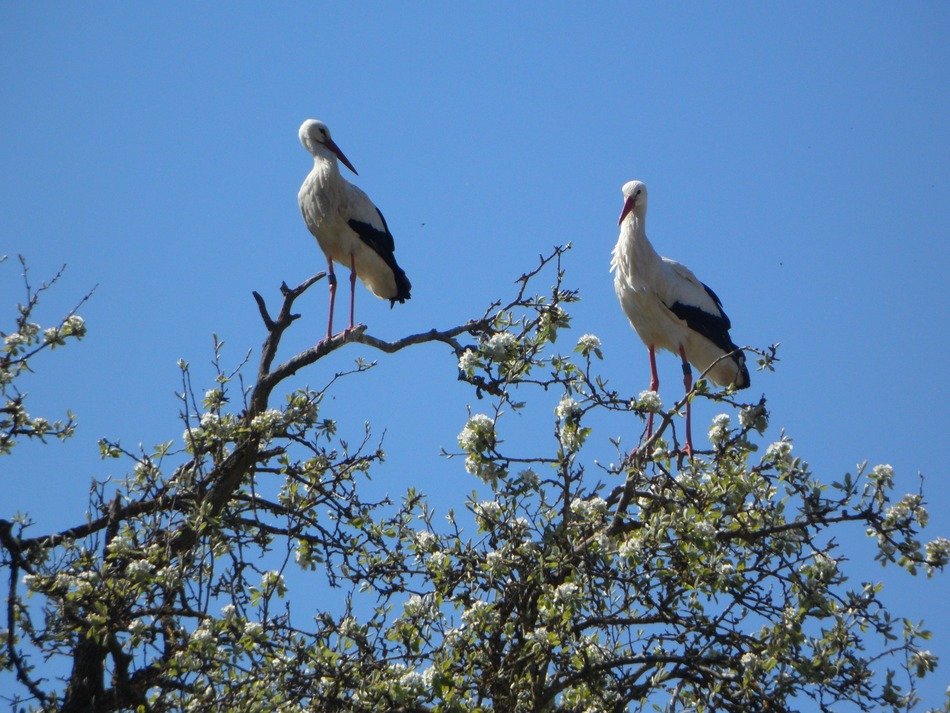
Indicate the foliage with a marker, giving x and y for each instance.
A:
(706, 584)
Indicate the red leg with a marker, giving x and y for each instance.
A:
(331, 278)
(352, 289)
(688, 385)
(654, 386)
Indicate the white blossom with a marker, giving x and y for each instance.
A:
(567, 408)
(631, 546)
(13, 342)
(749, 660)
(719, 431)
(590, 509)
(566, 593)
(882, 475)
(938, 552)
(487, 513)
(780, 451)
(267, 422)
(418, 605)
(478, 434)
(469, 361)
(588, 343)
(500, 345)
(476, 611)
(705, 530)
(139, 570)
(426, 541)
(202, 636)
(253, 630)
(75, 326)
(648, 401)
(273, 581)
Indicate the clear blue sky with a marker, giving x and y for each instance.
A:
(797, 158)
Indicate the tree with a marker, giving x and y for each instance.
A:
(710, 584)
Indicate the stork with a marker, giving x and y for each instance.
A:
(670, 308)
(348, 227)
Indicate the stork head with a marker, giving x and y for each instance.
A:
(315, 137)
(634, 200)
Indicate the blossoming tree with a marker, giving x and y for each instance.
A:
(712, 584)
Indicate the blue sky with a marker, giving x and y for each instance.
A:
(797, 158)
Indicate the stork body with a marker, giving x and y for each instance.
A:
(670, 308)
(348, 227)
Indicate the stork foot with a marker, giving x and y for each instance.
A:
(685, 452)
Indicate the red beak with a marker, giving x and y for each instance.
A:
(339, 154)
(628, 206)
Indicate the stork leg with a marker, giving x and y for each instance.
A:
(654, 386)
(688, 385)
(331, 279)
(352, 289)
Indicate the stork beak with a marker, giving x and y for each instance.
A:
(627, 207)
(339, 154)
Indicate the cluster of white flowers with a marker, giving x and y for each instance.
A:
(469, 361)
(938, 553)
(139, 570)
(495, 563)
(417, 605)
(201, 638)
(648, 401)
(529, 478)
(411, 680)
(588, 343)
(213, 399)
(704, 530)
(909, 506)
(254, 630)
(537, 637)
(754, 417)
(780, 452)
(500, 346)
(590, 510)
(426, 541)
(476, 612)
(267, 423)
(273, 581)
(348, 627)
(438, 561)
(478, 434)
(882, 475)
(123, 545)
(749, 660)
(14, 343)
(567, 408)
(821, 569)
(566, 593)
(719, 431)
(631, 547)
(487, 513)
(74, 326)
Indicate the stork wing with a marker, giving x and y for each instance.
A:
(697, 305)
(367, 221)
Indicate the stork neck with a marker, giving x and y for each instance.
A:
(325, 159)
(639, 243)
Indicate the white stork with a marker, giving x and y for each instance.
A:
(347, 226)
(670, 308)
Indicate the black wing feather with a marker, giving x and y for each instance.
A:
(382, 243)
(716, 329)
